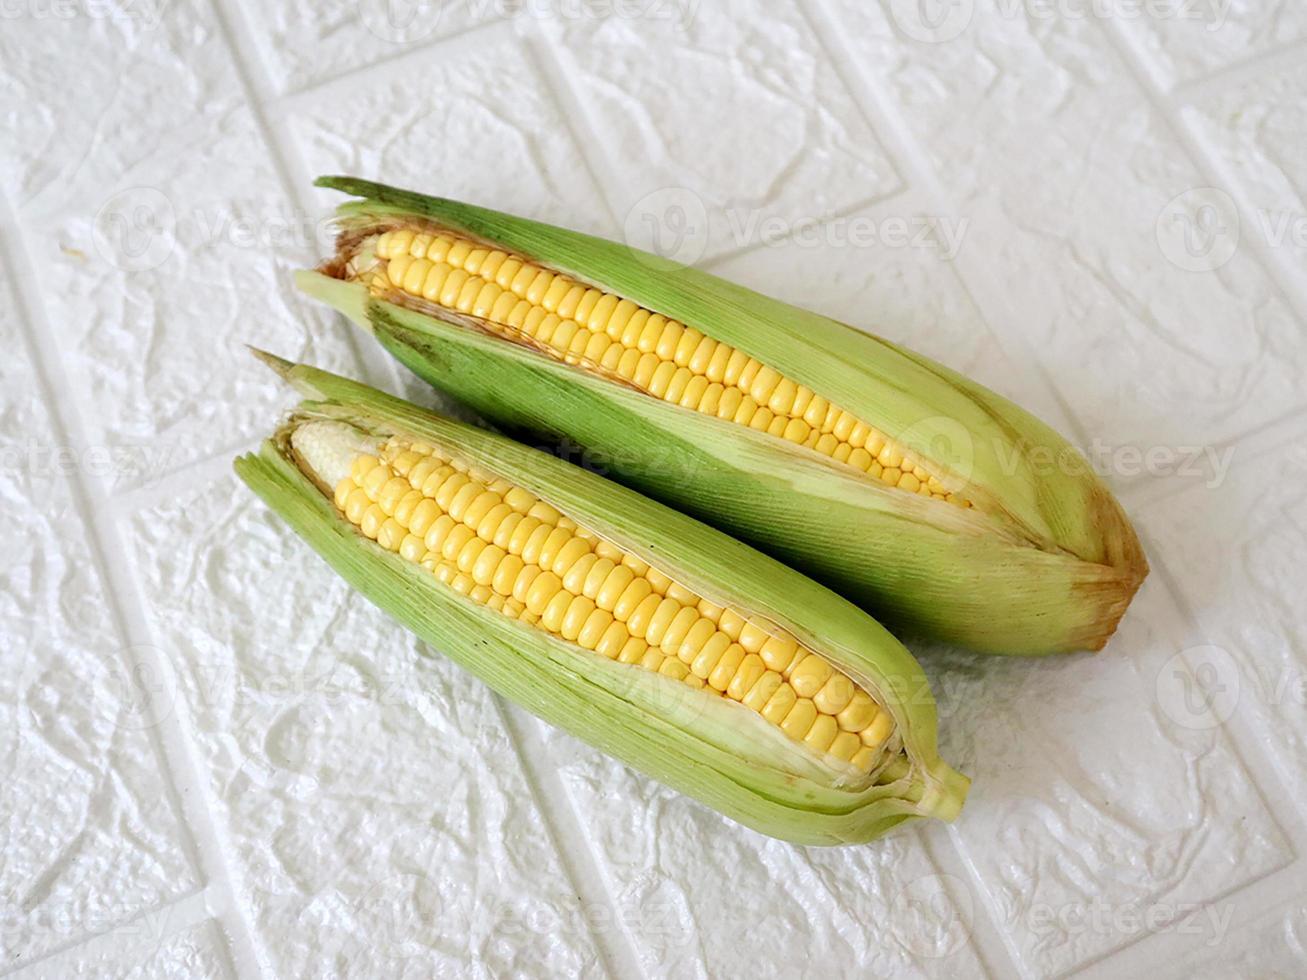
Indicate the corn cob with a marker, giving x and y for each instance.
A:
(650, 635)
(921, 495)
(524, 303)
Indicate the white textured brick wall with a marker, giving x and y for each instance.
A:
(218, 762)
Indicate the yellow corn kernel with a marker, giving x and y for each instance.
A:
(612, 641)
(578, 611)
(823, 731)
(660, 619)
(631, 599)
(697, 637)
(732, 624)
(845, 745)
(632, 651)
(673, 668)
(642, 615)
(835, 695)
(778, 652)
(686, 618)
(874, 735)
(754, 635)
(751, 668)
(779, 704)
(800, 718)
(721, 674)
(810, 675)
(503, 548)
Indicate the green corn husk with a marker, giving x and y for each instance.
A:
(717, 751)
(1045, 561)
